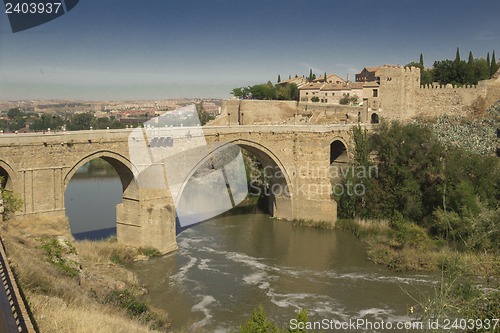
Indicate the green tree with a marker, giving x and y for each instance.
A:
(14, 113)
(279, 78)
(488, 58)
(421, 62)
(11, 202)
(457, 56)
(240, 92)
(494, 66)
(481, 70)
(470, 62)
(259, 323)
(263, 91)
(310, 74)
(315, 99)
(301, 320)
(350, 204)
(80, 121)
(325, 78)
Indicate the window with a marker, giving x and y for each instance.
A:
(375, 92)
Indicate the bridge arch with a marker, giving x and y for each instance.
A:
(273, 167)
(339, 157)
(120, 163)
(338, 151)
(129, 189)
(8, 174)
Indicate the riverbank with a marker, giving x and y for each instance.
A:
(78, 286)
(409, 248)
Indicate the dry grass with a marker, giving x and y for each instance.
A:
(55, 315)
(61, 303)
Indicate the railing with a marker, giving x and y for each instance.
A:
(14, 316)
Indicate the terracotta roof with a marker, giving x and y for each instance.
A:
(331, 77)
(356, 85)
(297, 80)
(312, 86)
(334, 86)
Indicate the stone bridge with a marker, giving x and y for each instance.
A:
(38, 168)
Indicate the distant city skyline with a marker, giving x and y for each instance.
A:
(130, 50)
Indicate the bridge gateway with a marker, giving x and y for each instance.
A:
(38, 167)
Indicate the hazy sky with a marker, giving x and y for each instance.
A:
(130, 49)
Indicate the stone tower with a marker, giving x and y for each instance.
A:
(398, 92)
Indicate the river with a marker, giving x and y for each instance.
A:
(228, 266)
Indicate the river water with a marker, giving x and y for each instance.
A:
(230, 265)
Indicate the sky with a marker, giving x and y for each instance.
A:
(160, 49)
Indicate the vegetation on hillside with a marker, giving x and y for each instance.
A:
(458, 72)
(78, 287)
(268, 91)
(475, 134)
(18, 120)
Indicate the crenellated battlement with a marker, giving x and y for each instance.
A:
(447, 86)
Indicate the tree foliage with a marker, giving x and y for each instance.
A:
(451, 193)
(268, 91)
(457, 71)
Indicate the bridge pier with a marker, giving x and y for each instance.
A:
(147, 220)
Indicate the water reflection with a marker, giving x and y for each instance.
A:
(90, 200)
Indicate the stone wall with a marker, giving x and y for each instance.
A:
(433, 101)
(397, 93)
(257, 112)
(402, 97)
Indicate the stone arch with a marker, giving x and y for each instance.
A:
(8, 174)
(338, 151)
(130, 190)
(120, 163)
(339, 156)
(271, 163)
(374, 118)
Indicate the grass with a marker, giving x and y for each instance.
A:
(57, 252)
(312, 224)
(407, 247)
(62, 300)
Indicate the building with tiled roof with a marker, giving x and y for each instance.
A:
(331, 93)
(332, 78)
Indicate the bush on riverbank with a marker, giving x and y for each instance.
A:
(438, 199)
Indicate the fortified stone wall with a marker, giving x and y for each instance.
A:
(433, 101)
(257, 112)
(402, 97)
(245, 112)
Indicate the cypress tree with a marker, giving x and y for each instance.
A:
(289, 76)
(494, 66)
(421, 61)
(488, 59)
(325, 77)
(279, 78)
(457, 57)
(310, 74)
(471, 58)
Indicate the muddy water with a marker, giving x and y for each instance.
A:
(228, 266)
